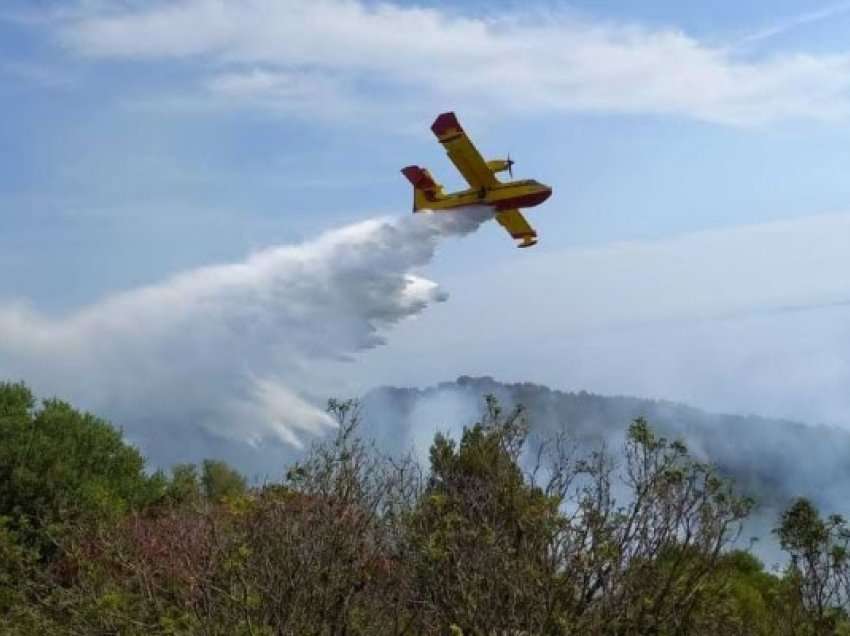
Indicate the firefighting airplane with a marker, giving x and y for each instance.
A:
(484, 187)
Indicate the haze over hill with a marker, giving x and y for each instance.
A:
(773, 460)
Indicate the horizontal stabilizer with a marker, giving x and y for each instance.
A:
(420, 178)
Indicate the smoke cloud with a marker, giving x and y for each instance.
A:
(771, 460)
(220, 360)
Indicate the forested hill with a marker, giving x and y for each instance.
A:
(773, 460)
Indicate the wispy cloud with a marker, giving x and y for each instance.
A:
(296, 55)
(791, 23)
(289, 91)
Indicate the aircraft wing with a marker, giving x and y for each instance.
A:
(516, 225)
(463, 154)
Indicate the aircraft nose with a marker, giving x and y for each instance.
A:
(543, 193)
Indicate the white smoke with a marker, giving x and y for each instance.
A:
(225, 352)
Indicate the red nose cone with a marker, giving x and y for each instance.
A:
(526, 200)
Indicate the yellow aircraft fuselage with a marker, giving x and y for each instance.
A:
(524, 193)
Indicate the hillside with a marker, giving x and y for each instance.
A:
(771, 459)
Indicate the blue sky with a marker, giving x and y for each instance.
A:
(703, 145)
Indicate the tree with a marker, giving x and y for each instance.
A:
(216, 482)
(58, 464)
(640, 565)
(556, 549)
(325, 543)
(184, 486)
(220, 481)
(63, 474)
(820, 562)
(481, 536)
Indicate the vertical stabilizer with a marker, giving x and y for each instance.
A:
(425, 189)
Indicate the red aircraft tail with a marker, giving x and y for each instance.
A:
(425, 189)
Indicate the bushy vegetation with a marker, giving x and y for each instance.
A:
(491, 538)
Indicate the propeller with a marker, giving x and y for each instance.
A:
(510, 164)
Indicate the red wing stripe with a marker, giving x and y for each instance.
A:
(445, 140)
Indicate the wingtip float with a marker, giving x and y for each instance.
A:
(484, 187)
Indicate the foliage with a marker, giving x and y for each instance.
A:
(497, 536)
(220, 481)
(480, 537)
(185, 485)
(820, 563)
(57, 464)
